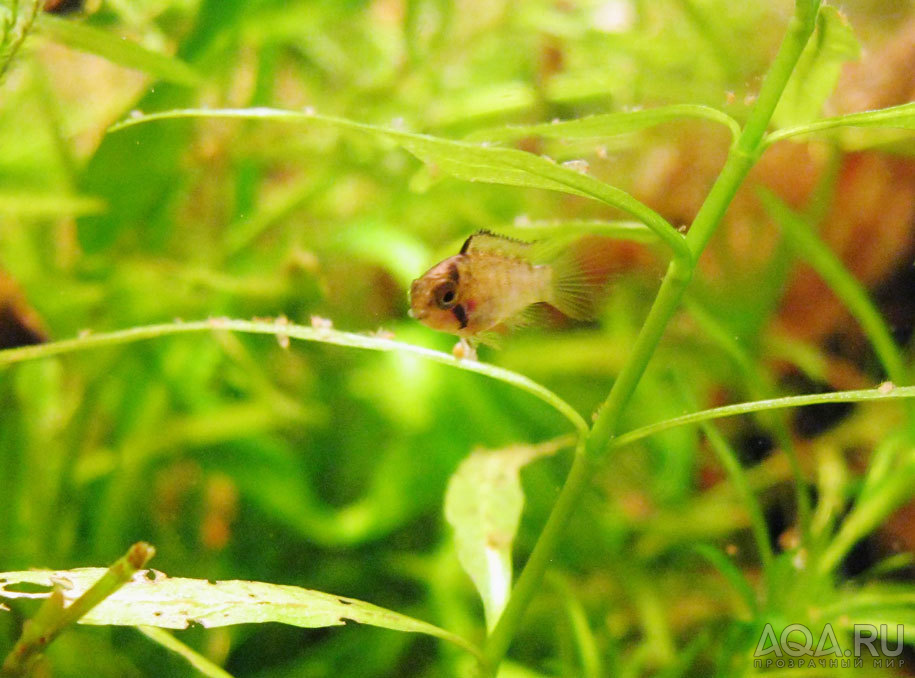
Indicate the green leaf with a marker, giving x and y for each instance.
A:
(894, 117)
(818, 69)
(65, 605)
(862, 395)
(868, 514)
(483, 504)
(153, 599)
(842, 283)
(469, 161)
(285, 330)
(195, 659)
(608, 124)
(117, 49)
(720, 561)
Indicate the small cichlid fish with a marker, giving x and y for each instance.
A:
(492, 283)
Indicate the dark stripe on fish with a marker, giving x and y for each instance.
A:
(453, 273)
(460, 314)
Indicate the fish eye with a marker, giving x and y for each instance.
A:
(445, 295)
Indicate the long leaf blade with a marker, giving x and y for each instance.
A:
(861, 395)
(117, 50)
(894, 117)
(176, 603)
(470, 161)
(288, 330)
(609, 124)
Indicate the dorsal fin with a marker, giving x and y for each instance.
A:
(487, 241)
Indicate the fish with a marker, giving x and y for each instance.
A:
(495, 283)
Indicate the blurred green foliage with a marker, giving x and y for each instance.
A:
(324, 467)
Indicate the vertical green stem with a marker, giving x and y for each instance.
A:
(663, 308)
(741, 158)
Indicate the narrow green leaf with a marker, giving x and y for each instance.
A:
(48, 205)
(284, 330)
(818, 69)
(608, 124)
(894, 117)
(151, 598)
(868, 514)
(891, 565)
(877, 596)
(885, 458)
(731, 463)
(880, 393)
(472, 162)
(483, 504)
(878, 603)
(195, 659)
(469, 161)
(117, 49)
(843, 284)
(589, 652)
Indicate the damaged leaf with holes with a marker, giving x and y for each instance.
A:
(153, 599)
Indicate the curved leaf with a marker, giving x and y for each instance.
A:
(195, 659)
(151, 598)
(894, 117)
(608, 124)
(118, 50)
(461, 159)
(879, 393)
(284, 330)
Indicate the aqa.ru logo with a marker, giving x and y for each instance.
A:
(797, 643)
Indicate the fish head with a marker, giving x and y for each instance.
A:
(435, 297)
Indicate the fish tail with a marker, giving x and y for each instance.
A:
(577, 283)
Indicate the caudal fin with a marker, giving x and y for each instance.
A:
(578, 284)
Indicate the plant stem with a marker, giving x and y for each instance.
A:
(740, 159)
(52, 617)
(665, 304)
(15, 33)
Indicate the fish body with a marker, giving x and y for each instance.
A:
(493, 281)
